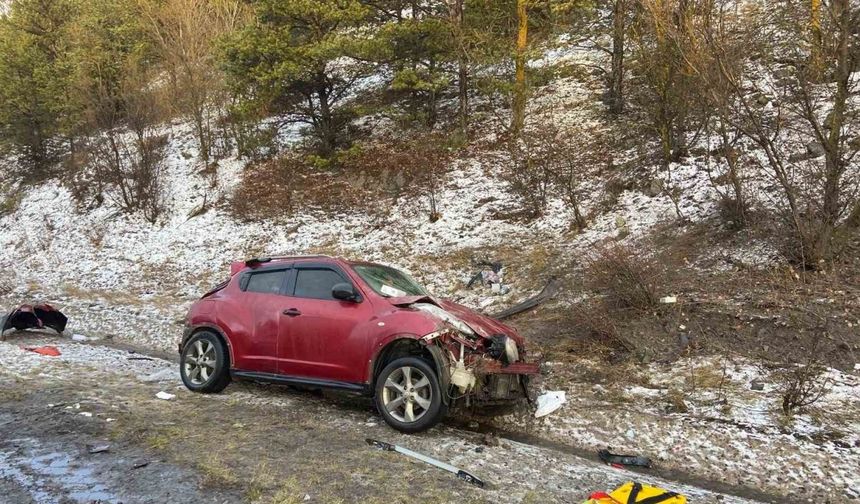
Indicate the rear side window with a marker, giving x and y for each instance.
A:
(267, 282)
(316, 283)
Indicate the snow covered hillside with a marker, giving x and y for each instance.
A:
(50, 248)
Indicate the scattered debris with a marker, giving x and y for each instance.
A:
(165, 396)
(616, 460)
(549, 402)
(37, 316)
(48, 350)
(140, 465)
(486, 275)
(86, 414)
(548, 292)
(631, 493)
(141, 358)
(757, 385)
(98, 448)
(463, 475)
(669, 299)
(490, 276)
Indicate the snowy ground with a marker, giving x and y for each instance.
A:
(516, 471)
(724, 430)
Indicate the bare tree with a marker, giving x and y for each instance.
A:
(780, 105)
(185, 32)
(128, 157)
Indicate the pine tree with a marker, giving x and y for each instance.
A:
(295, 59)
(35, 78)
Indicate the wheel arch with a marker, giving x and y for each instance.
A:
(407, 345)
(213, 329)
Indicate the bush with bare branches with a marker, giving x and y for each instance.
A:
(548, 159)
(803, 384)
(627, 280)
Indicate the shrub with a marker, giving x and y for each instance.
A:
(803, 384)
(267, 189)
(358, 178)
(627, 280)
(130, 167)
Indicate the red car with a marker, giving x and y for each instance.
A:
(325, 322)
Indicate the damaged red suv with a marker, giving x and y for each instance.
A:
(324, 322)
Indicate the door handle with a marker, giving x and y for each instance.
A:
(292, 312)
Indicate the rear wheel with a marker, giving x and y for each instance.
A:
(204, 364)
(408, 395)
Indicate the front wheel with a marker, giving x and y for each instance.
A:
(408, 395)
(204, 364)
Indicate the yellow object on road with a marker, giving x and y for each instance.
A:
(637, 493)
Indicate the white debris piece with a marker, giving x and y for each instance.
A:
(163, 375)
(165, 396)
(549, 402)
(79, 337)
(669, 299)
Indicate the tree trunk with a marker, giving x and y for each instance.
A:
(326, 130)
(834, 163)
(616, 88)
(519, 103)
(432, 98)
(457, 18)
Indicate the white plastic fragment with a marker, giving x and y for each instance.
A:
(165, 396)
(549, 402)
(163, 375)
(857, 367)
(669, 299)
(85, 413)
(79, 337)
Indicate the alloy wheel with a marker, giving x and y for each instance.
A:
(200, 362)
(407, 394)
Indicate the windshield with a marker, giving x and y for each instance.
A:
(389, 282)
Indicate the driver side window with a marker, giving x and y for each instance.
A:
(317, 283)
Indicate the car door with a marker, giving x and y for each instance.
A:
(323, 338)
(263, 295)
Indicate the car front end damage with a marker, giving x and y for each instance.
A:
(485, 362)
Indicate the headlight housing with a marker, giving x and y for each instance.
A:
(511, 351)
(504, 348)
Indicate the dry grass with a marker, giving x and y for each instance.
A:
(215, 472)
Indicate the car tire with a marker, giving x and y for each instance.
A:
(204, 363)
(408, 395)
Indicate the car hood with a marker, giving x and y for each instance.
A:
(482, 325)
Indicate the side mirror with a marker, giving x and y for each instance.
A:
(345, 292)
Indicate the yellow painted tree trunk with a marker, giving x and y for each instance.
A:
(519, 105)
(816, 64)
